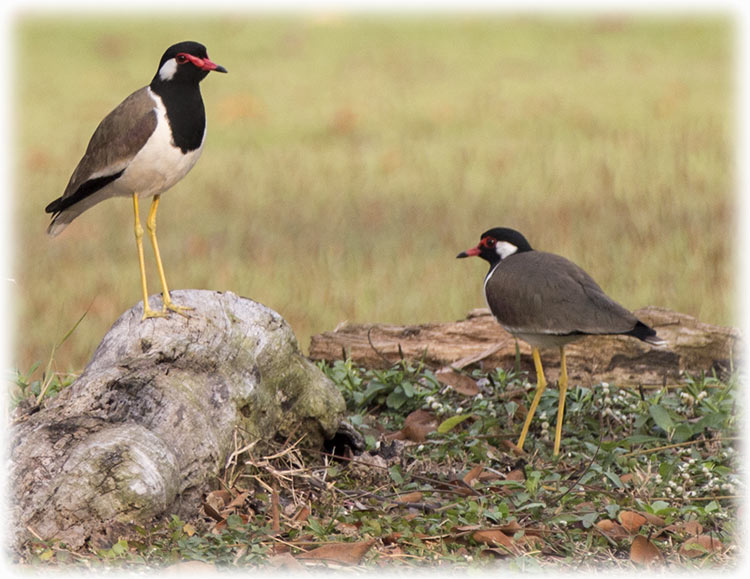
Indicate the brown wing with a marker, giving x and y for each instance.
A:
(544, 293)
(117, 139)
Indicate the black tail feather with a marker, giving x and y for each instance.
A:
(646, 333)
(88, 188)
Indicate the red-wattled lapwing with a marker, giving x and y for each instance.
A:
(548, 301)
(141, 149)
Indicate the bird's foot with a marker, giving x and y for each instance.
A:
(170, 306)
(149, 313)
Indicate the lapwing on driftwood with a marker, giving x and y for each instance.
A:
(548, 301)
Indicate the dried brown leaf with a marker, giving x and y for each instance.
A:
(215, 502)
(238, 501)
(585, 506)
(653, 519)
(220, 497)
(417, 426)
(511, 528)
(413, 497)
(463, 489)
(644, 552)
(418, 432)
(398, 435)
(631, 521)
(218, 527)
(516, 474)
(285, 561)
(461, 383)
(302, 514)
(472, 475)
(493, 537)
(685, 528)
(213, 513)
(700, 545)
(612, 529)
(344, 553)
(464, 528)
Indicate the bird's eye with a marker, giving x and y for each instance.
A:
(181, 58)
(489, 242)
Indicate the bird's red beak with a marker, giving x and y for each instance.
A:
(470, 252)
(205, 63)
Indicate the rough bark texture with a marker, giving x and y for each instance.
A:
(692, 347)
(152, 418)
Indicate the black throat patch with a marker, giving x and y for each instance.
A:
(185, 112)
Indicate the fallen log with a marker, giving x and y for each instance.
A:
(153, 417)
(693, 347)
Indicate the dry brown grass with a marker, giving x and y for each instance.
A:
(349, 160)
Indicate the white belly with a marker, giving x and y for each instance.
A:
(542, 340)
(159, 164)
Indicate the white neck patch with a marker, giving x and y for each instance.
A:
(167, 70)
(504, 249)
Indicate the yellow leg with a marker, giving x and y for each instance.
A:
(541, 384)
(147, 311)
(151, 228)
(563, 384)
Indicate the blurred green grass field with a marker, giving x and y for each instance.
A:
(350, 158)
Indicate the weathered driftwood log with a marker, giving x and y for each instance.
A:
(692, 347)
(152, 418)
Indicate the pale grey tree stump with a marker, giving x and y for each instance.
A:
(153, 417)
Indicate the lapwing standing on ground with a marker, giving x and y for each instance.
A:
(548, 301)
(141, 149)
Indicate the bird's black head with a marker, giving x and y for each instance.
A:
(497, 244)
(185, 62)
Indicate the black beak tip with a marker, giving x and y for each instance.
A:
(462, 254)
(220, 68)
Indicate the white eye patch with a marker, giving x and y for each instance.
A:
(167, 70)
(504, 249)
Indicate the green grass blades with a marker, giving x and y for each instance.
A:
(461, 498)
